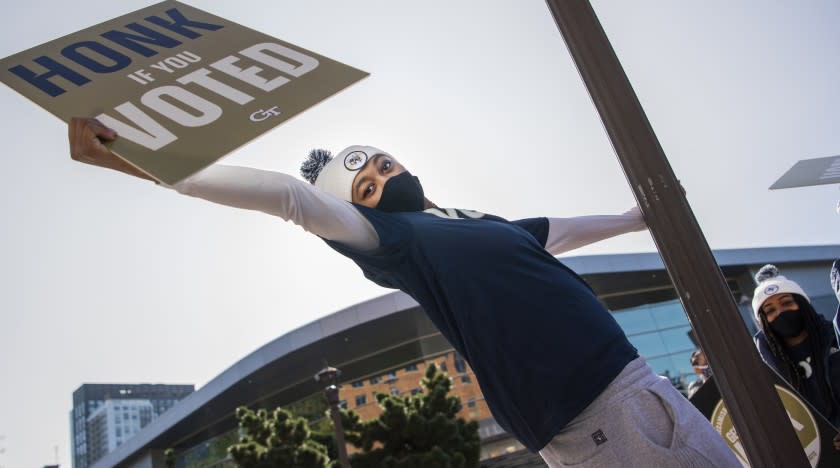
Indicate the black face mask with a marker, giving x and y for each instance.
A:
(402, 192)
(788, 324)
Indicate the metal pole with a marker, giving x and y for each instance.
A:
(329, 375)
(758, 414)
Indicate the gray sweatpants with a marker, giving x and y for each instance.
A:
(639, 420)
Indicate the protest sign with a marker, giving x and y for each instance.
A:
(181, 86)
(815, 433)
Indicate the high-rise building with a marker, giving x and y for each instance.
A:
(114, 422)
(106, 415)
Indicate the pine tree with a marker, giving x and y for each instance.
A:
(416, 431)
(276, 439)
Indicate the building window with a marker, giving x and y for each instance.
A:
(343, 404)
(460, 365)
(442, 366)
(660, 332)
(395, 391)
(416, 390)
(465, 379)
(391, 377)
(361, 400)
(374, 380)
(471, 403)
(358, 384)
(411, 368)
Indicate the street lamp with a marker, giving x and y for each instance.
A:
(329, 376)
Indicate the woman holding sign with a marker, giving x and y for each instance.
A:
(555, 368)
(796, 341)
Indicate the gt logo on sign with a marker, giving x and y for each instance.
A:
(261, 115)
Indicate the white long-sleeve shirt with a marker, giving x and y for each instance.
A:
(329, 217)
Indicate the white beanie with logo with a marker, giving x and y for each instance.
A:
(335, 175)
(770, 283)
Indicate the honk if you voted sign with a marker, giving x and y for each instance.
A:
(181, 87)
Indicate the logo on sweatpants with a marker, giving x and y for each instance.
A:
(599, 437)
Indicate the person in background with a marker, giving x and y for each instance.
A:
(834, 278)
(797, 342)
(701, 368)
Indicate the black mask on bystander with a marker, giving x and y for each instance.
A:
(788, 324)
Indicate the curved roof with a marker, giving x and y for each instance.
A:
(282, 371)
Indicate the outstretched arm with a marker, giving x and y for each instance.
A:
(270, 192)
(282, 195)
(566, 234)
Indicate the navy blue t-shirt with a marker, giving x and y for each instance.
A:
(541, 345)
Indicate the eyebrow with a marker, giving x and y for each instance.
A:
(374, 160)
(782, 298)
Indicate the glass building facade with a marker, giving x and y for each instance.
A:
(660, 332)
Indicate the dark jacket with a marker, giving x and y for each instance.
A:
(831, 366)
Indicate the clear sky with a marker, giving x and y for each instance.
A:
(104, 278)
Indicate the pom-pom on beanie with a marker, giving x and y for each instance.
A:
(335, 175)
(770, 283)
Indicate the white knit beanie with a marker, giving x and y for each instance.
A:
(335, 175)
(770, 283)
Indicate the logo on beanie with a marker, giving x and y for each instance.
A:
(769, 290)
(355, 160)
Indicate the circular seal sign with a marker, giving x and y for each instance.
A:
(800, 417)
(355, 160)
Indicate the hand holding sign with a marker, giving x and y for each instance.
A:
(87, 137)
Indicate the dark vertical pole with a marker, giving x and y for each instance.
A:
(332, 397)
(329, 375)
(757, 412)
